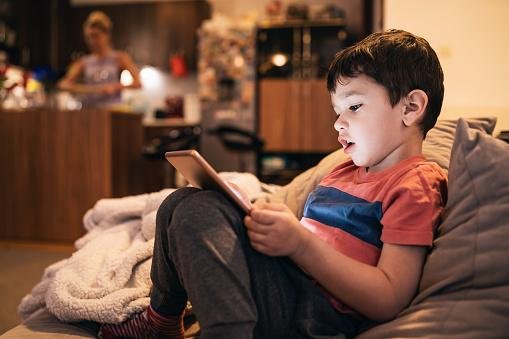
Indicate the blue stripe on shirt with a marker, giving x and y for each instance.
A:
(335, 208)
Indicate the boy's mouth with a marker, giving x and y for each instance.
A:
(345, 143)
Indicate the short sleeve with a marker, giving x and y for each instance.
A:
(412, 209)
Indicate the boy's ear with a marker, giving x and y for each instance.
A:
(415, 104)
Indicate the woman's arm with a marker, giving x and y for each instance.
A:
(69, 81)
(127, 63)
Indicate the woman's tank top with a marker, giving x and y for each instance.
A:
(98, 71)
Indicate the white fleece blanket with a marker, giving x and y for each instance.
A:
(108, 278)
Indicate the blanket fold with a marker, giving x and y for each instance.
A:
(107, 279)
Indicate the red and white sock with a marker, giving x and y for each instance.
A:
(147, 324)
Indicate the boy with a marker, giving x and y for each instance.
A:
(356, 255)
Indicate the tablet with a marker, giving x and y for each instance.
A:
(199, 173)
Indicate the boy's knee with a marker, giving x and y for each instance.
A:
(201, 211)
(197, 205)
(174, 198)
(204, 199)
(167, 208)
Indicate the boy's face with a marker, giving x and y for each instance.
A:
(370, 130)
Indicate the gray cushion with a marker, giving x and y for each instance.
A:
(438, 143)
(464, 290)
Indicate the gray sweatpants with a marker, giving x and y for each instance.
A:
(202, 253)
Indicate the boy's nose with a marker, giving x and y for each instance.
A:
(340, 123)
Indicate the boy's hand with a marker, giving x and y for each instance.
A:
(274, 230)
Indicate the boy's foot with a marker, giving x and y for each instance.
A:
(147, 325)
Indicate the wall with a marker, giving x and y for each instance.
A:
(470, 38)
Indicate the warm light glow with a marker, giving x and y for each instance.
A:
(238, 61)
(151, 78)
(279, 59)
(126, 78)
(14, 75)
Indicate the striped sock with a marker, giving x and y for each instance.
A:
(148, 325)
(169, 326)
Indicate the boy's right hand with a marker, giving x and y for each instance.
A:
(274, 230)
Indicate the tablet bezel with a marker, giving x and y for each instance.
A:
(199, 173)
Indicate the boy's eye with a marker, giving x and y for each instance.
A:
(354, 107)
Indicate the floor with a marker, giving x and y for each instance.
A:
(21, 267)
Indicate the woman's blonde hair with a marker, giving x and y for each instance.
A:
(99, 20)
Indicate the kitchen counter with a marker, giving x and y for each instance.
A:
(54, 165)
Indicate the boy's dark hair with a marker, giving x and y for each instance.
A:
(399, 61)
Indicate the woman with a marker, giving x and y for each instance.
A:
(99, 70)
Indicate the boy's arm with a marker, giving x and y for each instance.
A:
(377, 292)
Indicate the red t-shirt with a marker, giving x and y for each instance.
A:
(356, 212)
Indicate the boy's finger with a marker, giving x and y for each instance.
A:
(259, 203)
(262, 216)
(273, 206)
(255, 226)
(256, 237)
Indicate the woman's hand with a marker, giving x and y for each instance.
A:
(110, 89)
(274, 230)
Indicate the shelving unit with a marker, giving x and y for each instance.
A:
(295, 117)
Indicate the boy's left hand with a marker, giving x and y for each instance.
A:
(274, 230)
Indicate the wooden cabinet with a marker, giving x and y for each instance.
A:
(54, 165)
(295, 115)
